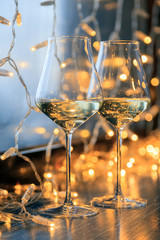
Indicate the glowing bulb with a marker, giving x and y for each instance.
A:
(63, 65)
(123, 172)
(19, 20)
(84, 133)
(82, 156)
(132, 160)
(142, 151)
(33, 49)
(48, 175)
(135, 63)
(110, 174)
(155, 82)
(75, 194)
(124, 134)
(154, 167)
(72, 148)
(134, 137)
(149, 148)
(111, 163)
(147, 40)
(123, 77)
(110, 133)
(56, 131)
(129, 164)
(91, 172)
(11, 74)
(148, 117)
(144, 58)
(96, 45)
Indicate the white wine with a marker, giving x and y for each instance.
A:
(120, 111)
(68, 114)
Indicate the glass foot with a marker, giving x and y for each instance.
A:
(118, 202)
(69, 211)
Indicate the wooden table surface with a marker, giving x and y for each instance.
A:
(137, 224)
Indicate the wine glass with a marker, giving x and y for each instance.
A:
(69, 93)
(126, 95)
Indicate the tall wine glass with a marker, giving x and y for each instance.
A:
(69, 93)
(126, 95)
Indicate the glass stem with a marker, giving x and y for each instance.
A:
(119, 145)
(68, 199)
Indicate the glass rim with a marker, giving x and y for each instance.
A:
(69, 37)
(120, 42)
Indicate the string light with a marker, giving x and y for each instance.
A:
(143, 37)
(28, 194)
(42, 221)
(19, 20)
(40, 45)
(6, 73)
(4, 21)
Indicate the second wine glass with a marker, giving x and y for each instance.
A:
(69, 93)
(126, 95)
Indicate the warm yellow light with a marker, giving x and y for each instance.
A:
(11, 74)
(134, 137)
(84, 133)
(88, 29)
(132, 160)
(19, 20)
(56, 131)
(23, 64)
(3, 157)
(75, 194)
(136, 119)
(144, 58)
(148, 117)
(111, 163)
(110, 174)
(142, 151)
(40, 130)
(91, 172)
(52, 225)
(94, 159)
(129, 164)
(63, 65)
(82, 156)
(72, 148)
(154, 167)
(123, 172)
(123, 77)
(110, 133)
(124, 134)
(73, 178)
(33, 49)
(96, 45)
(135, 63)
(48, 175)
(155, 82)
(147, 40)
(149, 148)
(143, 85)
